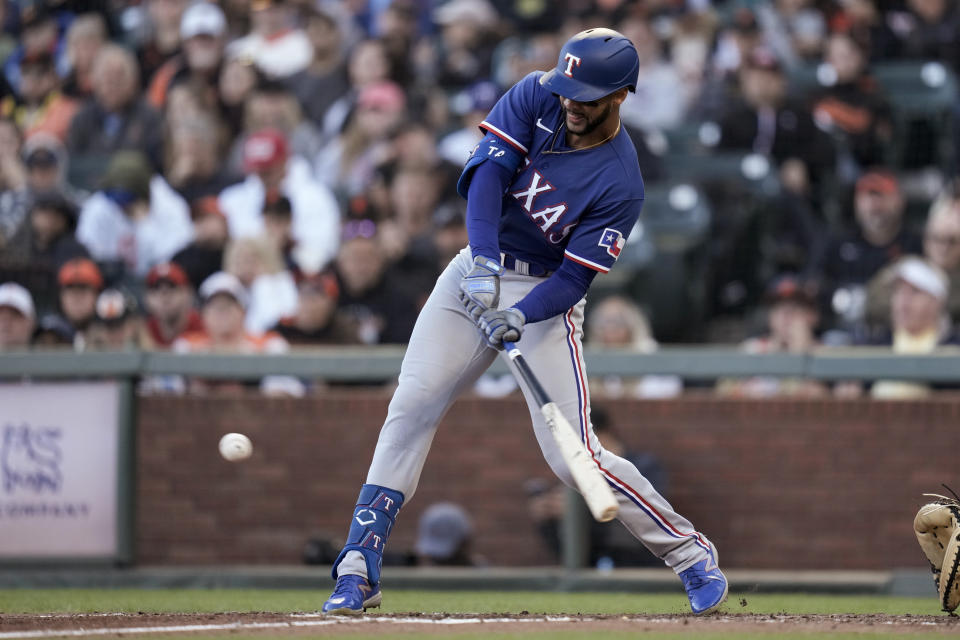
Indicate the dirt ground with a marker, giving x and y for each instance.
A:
(34, 626)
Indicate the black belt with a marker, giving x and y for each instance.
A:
(523, 267)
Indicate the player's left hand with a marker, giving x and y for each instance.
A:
(480, 288)
(501, 325)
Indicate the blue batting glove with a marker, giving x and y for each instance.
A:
(480, 288)
(501, 325)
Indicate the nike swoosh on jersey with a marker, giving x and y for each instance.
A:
(542, 126)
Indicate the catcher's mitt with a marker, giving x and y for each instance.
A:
(937, 526)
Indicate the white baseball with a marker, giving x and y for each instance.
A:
(235, 447)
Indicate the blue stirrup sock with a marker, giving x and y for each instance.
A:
(373, 518)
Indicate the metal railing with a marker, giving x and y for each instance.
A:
(374, 364)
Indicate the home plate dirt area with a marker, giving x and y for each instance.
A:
(82, 625)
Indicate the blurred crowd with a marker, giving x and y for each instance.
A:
(259, 174)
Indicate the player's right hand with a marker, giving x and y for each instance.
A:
(480, 288)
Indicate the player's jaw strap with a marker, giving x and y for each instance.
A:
(373, 518)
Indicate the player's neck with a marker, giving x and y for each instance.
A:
(604, 133)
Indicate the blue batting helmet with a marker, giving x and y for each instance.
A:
(593, 64)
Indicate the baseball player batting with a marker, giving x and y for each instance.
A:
(552, 190)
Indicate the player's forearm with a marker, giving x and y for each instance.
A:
(484, 205)
(558, 293)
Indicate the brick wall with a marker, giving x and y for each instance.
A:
(778, 483)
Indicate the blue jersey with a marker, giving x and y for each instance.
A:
(575, 203)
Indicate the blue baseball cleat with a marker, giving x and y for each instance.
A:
(706, 585)
(352, 596)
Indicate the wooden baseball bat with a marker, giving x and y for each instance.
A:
(585, 471)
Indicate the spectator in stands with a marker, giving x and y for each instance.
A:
(928, 30)
(238, 78)
(170, 306)
(317, 319)
(276, 46)
(39, 33)
(471, 106)
(735, 41)
(45, 161)
(42, 108)
(853, 107)
(203, 29)
(766, 122)
(348, 162)
(918, 324)
(791, 327)
(271, 168)
(46, 238)
(869, 25)
(271, 105)
(52, 331)
(618, 323)
(399, 26)
(610, 545)
(371, 293)
(80, 283)
(204, 255)
(465, 47)
(367, 64)
(17, 317)
(160, 35)
(849, 260)
(270, 288)
(116, 323)
(941, 246)
(445, 537)
(115, 118)
(319, 85)
(224, 302)
(659, 101)
(407, 236)
(85, 36)
(14, 192)
(195, 167)
(795, 29)
(133, 221)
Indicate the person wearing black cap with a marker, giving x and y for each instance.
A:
(791, 324)
(116, 323)
(847, 261)
(46, 238)
(45, 159)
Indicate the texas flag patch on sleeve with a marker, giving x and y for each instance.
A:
(613, 241)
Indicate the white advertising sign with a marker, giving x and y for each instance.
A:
(58, 470)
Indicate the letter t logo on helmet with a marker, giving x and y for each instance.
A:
(571, 61)
(605, 61)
